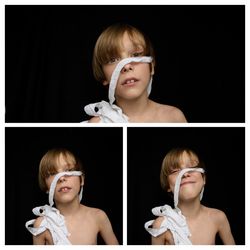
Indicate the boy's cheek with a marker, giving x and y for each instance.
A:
(48, 182)
(171, 188)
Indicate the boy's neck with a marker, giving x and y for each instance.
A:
(135, 109)
(68, 209)
(190, 209)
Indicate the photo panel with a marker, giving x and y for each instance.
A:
(99, 149)
(199, 55)
(222, 149)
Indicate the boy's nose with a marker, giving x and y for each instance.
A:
(62, 179)
(186, 174)
(128, 67)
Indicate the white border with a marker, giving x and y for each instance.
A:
(103, 125)
(2, 118)
(127, 2)
(125, 178)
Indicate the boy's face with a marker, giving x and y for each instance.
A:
(134, 77)
(191, 183)
(67, 187)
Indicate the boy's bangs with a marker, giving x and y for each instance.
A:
(176, 160)
(111, 50)
(49, 167)
(174, 164)
(70, 160)
(138, 41)
(193, 158)
(52, 164)
(112, 47)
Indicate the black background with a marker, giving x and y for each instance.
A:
(221, 149)
(200, 58)
(100, 150)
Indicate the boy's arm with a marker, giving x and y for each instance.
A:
(39, 239)
(163, 239)
(159, 240)
(94, 119)
(106, 230)
(224, 230)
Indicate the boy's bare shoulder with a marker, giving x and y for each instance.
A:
(167, 113)
(216, 215)
(94, 212)
(213, 211)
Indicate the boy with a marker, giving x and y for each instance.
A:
(189, 222)
(61, 174)
(124, 60)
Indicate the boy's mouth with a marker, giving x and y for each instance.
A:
(187, 182)
(129, 81)
(64, 189)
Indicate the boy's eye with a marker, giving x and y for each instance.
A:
(174, 171)
(70, 169)
(194, 167)
(51, 173)
(136, 54)
(113, 60)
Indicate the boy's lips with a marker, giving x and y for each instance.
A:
(64, 189)
(187, 182)
(129, 81)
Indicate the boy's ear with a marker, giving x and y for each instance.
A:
(204, 179)
(105, 83)
(82, 180)
(152, 69)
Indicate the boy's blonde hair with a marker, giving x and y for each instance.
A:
(49, 164)
(172, 161)
(109, 45)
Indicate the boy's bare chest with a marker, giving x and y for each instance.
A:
(83, 231)
(203, 231)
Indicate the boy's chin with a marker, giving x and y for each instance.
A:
(64, 200)
(189, 195)
(130, 95)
